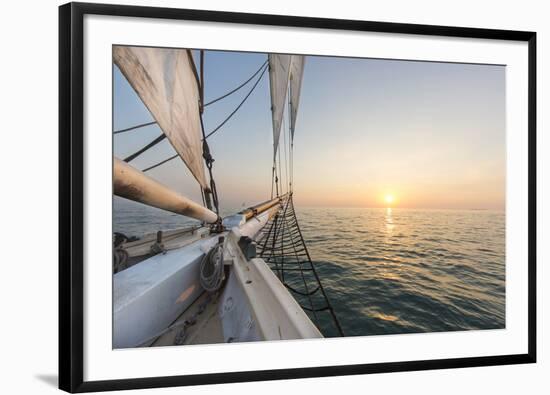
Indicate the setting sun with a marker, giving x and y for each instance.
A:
(389, 198)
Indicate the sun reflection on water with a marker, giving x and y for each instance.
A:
(389, 221)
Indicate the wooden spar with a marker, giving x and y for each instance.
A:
(133, 184)
(261, 207)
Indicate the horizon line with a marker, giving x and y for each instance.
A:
(403, 207)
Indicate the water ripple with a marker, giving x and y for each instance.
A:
(405, 271)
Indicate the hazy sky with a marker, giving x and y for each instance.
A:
(430, 134)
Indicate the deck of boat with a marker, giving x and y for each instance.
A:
(160, 302)
(206, 329)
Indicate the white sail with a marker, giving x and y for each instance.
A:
(296, 75)
(165, 81)
(279, 71)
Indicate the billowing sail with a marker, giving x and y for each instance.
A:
(279, 70)
(165, 81)
(296, 75)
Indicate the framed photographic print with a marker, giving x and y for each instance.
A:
(258, 197)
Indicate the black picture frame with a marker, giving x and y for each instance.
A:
(71, 198)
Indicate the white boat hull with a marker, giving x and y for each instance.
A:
(254, 305)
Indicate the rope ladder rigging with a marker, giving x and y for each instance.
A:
(283, 248)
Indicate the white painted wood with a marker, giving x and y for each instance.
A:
(150, 295)
(255, 305)
(170, 241)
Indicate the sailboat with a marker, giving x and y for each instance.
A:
(243, 277)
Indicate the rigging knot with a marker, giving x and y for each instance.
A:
(206, 154)
(218, 226)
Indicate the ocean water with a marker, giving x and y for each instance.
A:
(389, 271)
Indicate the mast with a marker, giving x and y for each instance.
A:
(207, 193)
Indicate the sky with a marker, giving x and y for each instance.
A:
(430, 135)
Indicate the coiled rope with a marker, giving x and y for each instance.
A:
(211, 268)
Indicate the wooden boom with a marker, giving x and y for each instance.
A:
(261, 207)
(131, 183)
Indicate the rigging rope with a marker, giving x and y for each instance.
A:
(272, 178)
(286, 159)
(291, 151)
(141, 151)
(264, 66)
(237, 88)
(134, 127)
(280, 172)
(239, 106)
(160, 163)
(290, 145)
